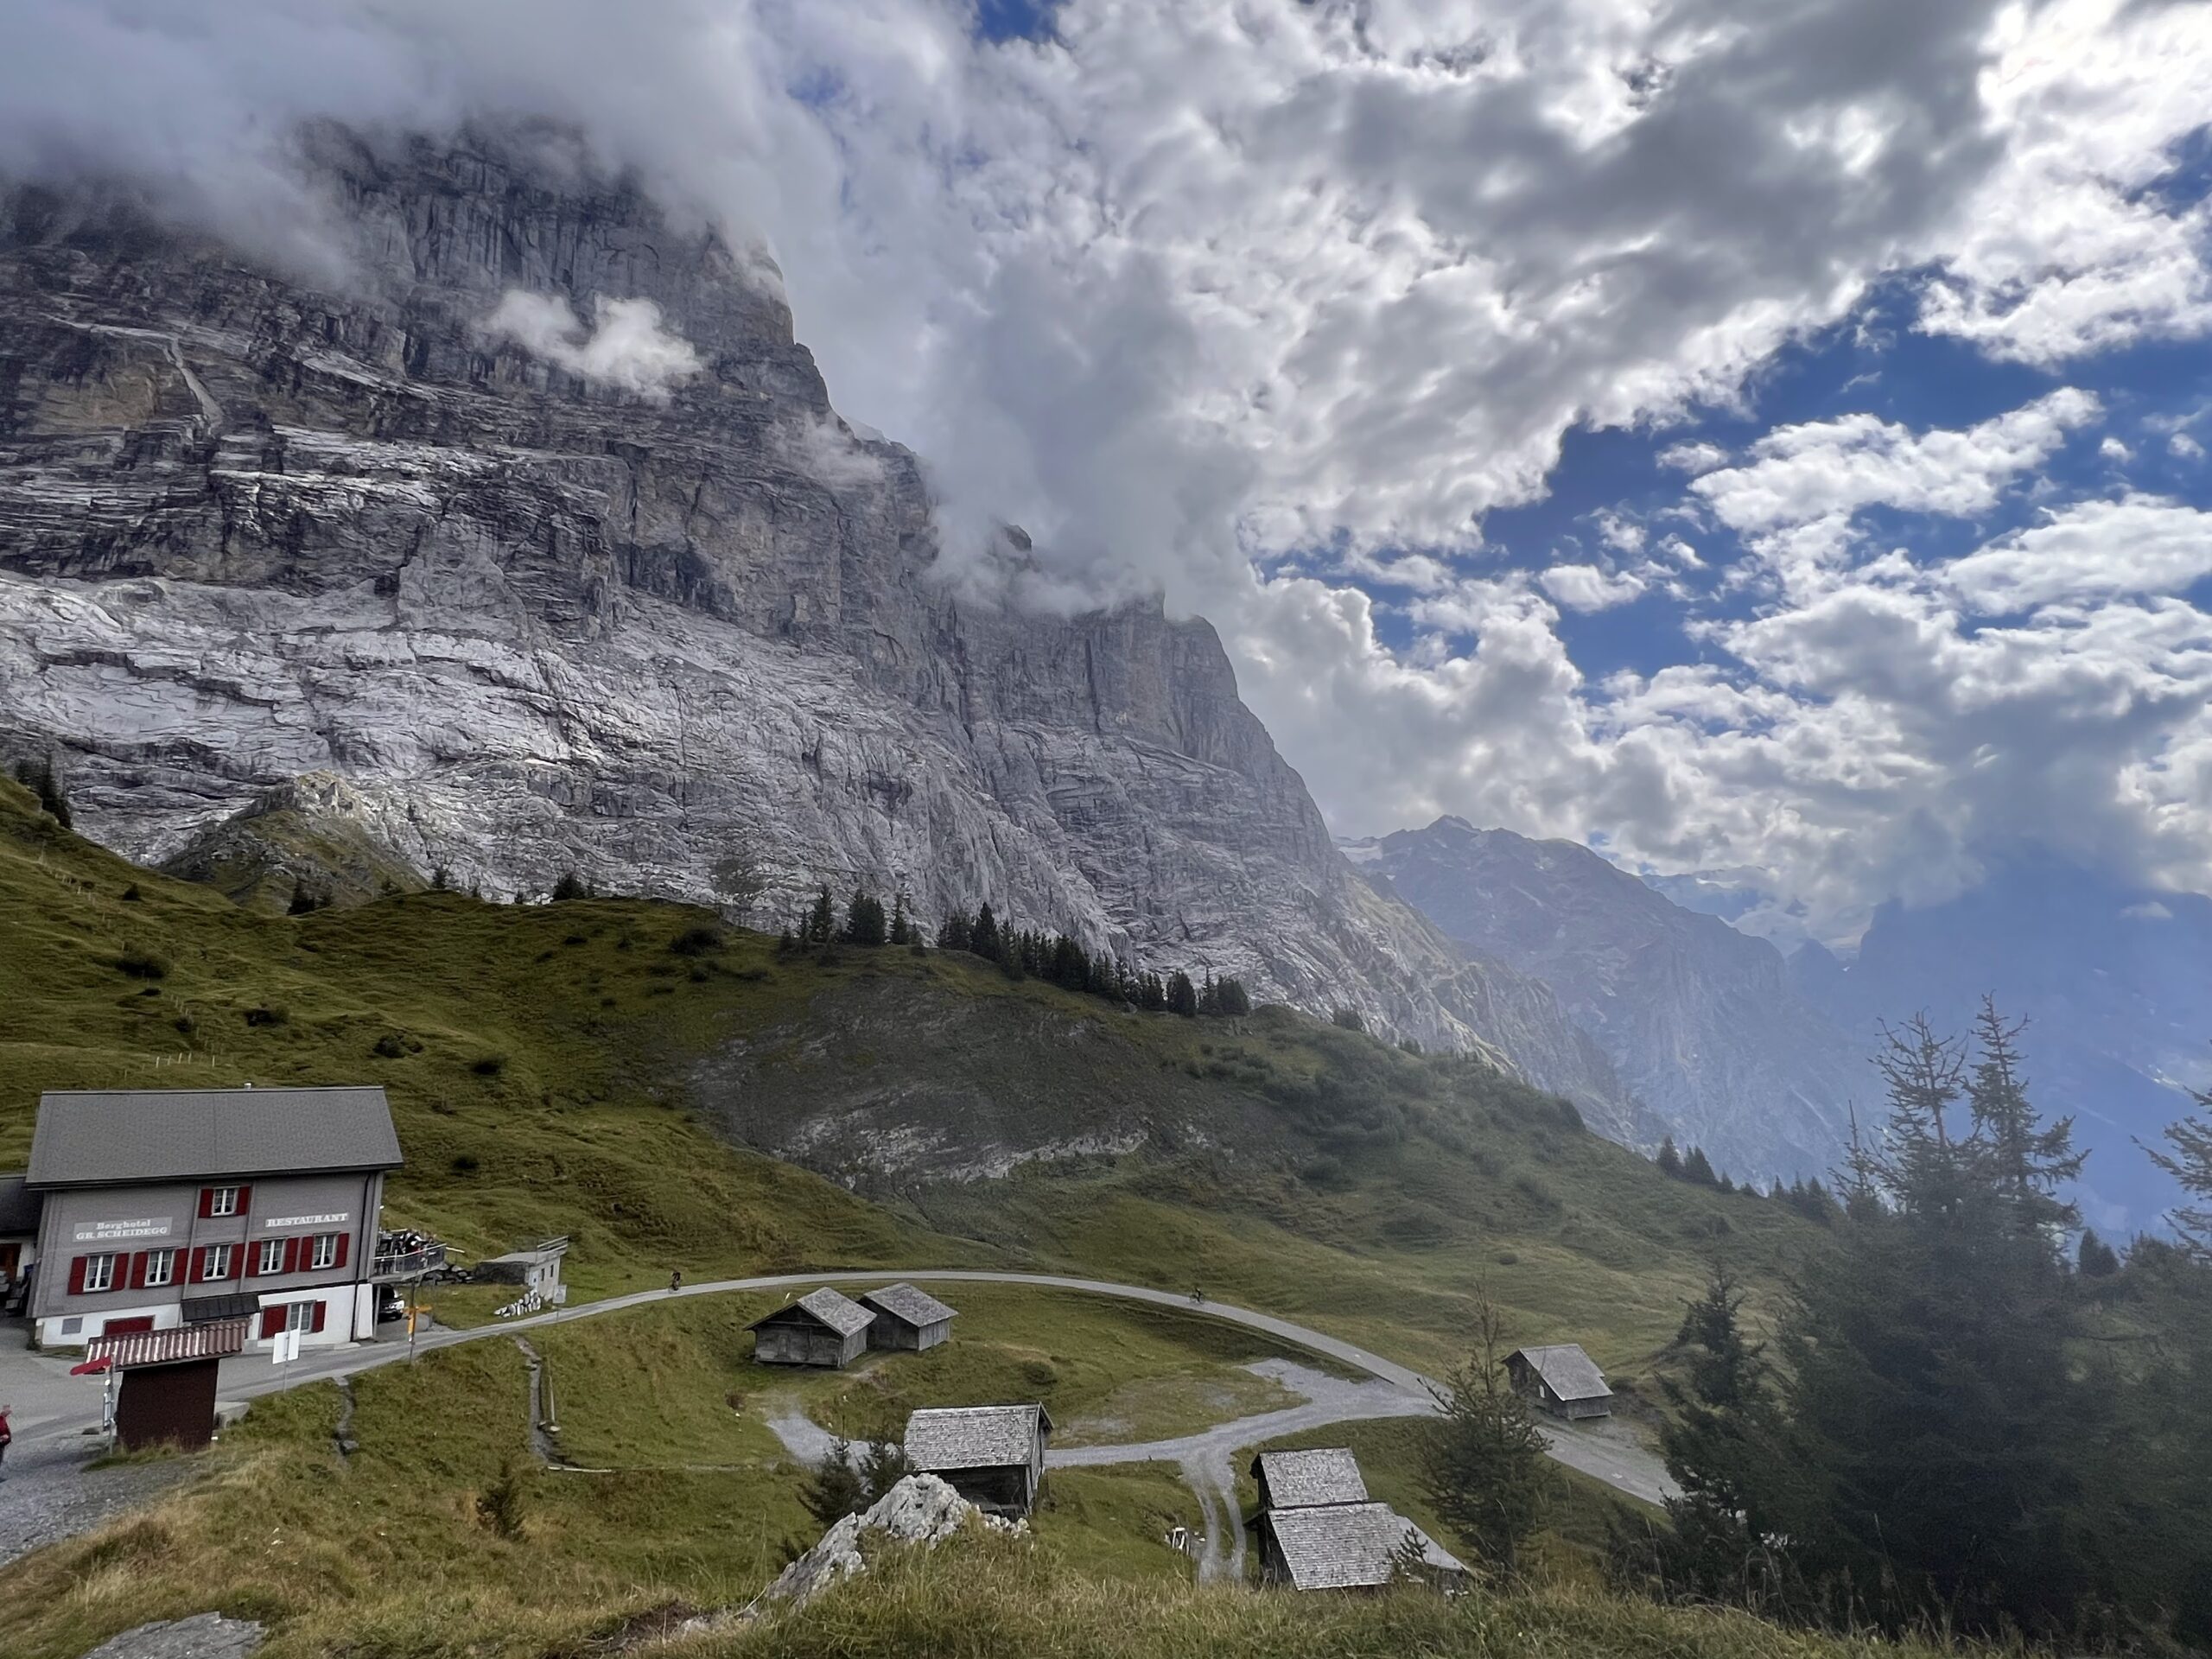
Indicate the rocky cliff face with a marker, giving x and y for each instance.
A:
(535, 545)
(1700, 1022)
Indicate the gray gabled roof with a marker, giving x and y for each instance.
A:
(833, 1309)
(902, 1301)
(93, 1137)
(1572, 1373)
(19, 1207)
(1300, 1480)
(974, 1437)
(1347, 1545)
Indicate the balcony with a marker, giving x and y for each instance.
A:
(407, 1256)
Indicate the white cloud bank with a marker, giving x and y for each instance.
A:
(1189, 285)
(627, 349)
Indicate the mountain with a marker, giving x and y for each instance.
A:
(1702, 1023)
(531, 542)
(2115, 983)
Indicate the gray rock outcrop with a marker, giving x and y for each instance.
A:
(536, 545)
(921, 1511)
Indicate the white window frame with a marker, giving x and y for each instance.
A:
(300, 1316)
(225, 1201)
(270, 1258)
(161, 1268)
(99, 1272)
(324, 1256)
(218, 1264)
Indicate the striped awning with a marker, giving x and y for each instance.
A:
(216, 1339)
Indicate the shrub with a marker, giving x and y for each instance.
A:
(570, 886)
(1346, 1019)
(464, 1163)
(699, 941)
(389, 1047)
(185, 1023)
(1039, 1373)
(131, 894)
(138, 963)
(270, 1014)
(488, 1066)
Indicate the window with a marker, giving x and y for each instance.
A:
(221, 1201)
(300, 1316)
(271, 1259)
(161, 1267)
(325, 1251)
(217, 1264)
(99, 1272)
(72, 1326)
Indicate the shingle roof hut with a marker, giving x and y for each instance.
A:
(1562, 1379)
(993, 1455)
(1296, 1480)
(906, 1318)
(821, 1328)
(1347, 1546)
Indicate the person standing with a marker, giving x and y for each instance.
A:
(6, 1435)
(675, 1280)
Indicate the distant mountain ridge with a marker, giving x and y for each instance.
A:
(2114, 981)
(1703, 1024)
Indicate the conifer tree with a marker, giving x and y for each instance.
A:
(902, 931)
(834, 1491)
(1486, 1472)
(2093, 1258)
(955, 932)
(1182, 995)
(1699, 1168)
(983, 937)
(40, 778)
(820, 921)
(1236, 1003)
(2190, 1162)
(2030, 1158)
(863, 918)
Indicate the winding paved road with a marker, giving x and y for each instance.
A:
(53, 1406)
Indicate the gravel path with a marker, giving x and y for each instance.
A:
(48, 1493)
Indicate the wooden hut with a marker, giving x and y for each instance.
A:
(993, 1455)
(1308, 1479)
(1562, 1379)
(821, 1328)
(906, 1318)
(167, 1391)
(1349, 1547)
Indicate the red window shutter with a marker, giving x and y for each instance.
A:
(199, 1264)
(344, 1240)
(138, 1270)
(245, 1199)
(291, 1255)
(273, 1321)
(77, 1275)
(320, 1308)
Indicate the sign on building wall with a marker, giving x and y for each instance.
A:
(107, 1232)
(337, 1219)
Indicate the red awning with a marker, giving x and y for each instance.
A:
(216, 1339)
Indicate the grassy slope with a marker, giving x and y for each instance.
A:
(542, 1085)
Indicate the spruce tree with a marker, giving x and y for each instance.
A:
(2031, 1158)
(1182, 995)
(2190, 1162)
(983, 938)
(1699, 1168)
(902, 931)
(863, 918)
(820, 921)
(2093, 1258)
(955, 932)
(834, 1489)
(1236, 1003)
(1486, 1472)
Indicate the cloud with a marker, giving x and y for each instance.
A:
(2093, 550)
(2182, 446)
(1801, 474)
(1586, 588)
(627, 349)
(1206, 292)
(2113, 450)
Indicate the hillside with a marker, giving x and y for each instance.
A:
(569, 1068)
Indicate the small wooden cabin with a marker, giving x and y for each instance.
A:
(993, 1455)
(166, 1393)
(1308, 1479)
(906, 1318)
(1562, 1379)
(821, 1328)
(1349, 1547)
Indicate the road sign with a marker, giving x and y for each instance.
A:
(285, 1348)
